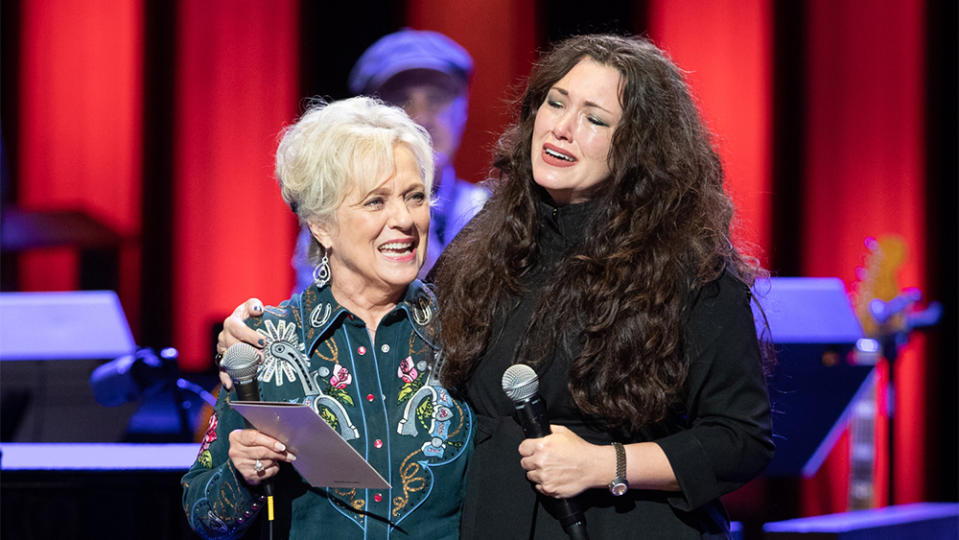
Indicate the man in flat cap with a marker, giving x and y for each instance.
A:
(427, 74)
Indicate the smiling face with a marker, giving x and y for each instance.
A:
(573, 131)
(378, 240)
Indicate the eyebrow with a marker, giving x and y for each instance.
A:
(381, 189)
(587, 103)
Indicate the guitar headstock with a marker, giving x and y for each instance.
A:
(877, 280)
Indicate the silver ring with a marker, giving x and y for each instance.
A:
(258, 466)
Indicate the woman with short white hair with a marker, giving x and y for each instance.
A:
(359, 345)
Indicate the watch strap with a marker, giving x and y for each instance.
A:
(620, 461)
(619, 485)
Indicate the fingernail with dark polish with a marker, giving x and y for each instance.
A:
(261, 342)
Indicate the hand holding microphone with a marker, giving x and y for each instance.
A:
(557, 464)
(522, 387)
(255, 456)
(235, 331)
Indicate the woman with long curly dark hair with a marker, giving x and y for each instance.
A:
(604, 260)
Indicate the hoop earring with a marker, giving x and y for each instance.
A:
(321, 272)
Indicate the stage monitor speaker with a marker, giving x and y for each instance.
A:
(927, 521)
(813, 327)
(50, 343)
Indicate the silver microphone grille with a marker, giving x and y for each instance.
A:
(520, 382)
(240, 362)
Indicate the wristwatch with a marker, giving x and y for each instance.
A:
(619, 485)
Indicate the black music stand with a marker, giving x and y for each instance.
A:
(50, 342)
(814, 385)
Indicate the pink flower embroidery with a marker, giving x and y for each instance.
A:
(210, 435)
(406, 370)
(341, 377)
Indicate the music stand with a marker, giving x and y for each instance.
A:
(50, 342)
(814, 385)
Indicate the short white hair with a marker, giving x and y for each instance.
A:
(335, 147)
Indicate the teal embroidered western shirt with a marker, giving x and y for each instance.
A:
(383, 397)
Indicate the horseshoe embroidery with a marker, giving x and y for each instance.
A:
(422, 314)
(320, 314)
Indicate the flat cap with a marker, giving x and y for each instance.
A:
(405, 50)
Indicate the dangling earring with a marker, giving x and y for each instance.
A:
(321, 272)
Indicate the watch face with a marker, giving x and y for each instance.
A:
(618, 488)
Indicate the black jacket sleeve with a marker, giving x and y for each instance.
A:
(728, 439)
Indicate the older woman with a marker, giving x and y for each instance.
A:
(360, 345)
(604, 260)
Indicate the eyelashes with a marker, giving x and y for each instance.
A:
(377, 203)
(592, 119)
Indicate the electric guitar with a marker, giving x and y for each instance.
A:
(876, 282)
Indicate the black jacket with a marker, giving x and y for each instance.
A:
(718, 439)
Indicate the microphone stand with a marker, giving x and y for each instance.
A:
(891, 342)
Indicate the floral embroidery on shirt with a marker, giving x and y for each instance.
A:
(338, 382)
(408, 373)
(341, 377)
(332, 383)
(205, 458)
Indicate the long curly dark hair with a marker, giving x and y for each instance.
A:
(661, 231)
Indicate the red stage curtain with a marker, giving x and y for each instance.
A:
(501, 37)
(864, 177)
(726, 49)
(79, 134)
(236, 87)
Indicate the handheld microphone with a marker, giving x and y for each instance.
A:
(240, 362)
(521, 386)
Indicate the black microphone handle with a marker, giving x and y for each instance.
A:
(248, 391)
(532, 418)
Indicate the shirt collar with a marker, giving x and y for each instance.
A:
(319, 310)
(566, 224)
